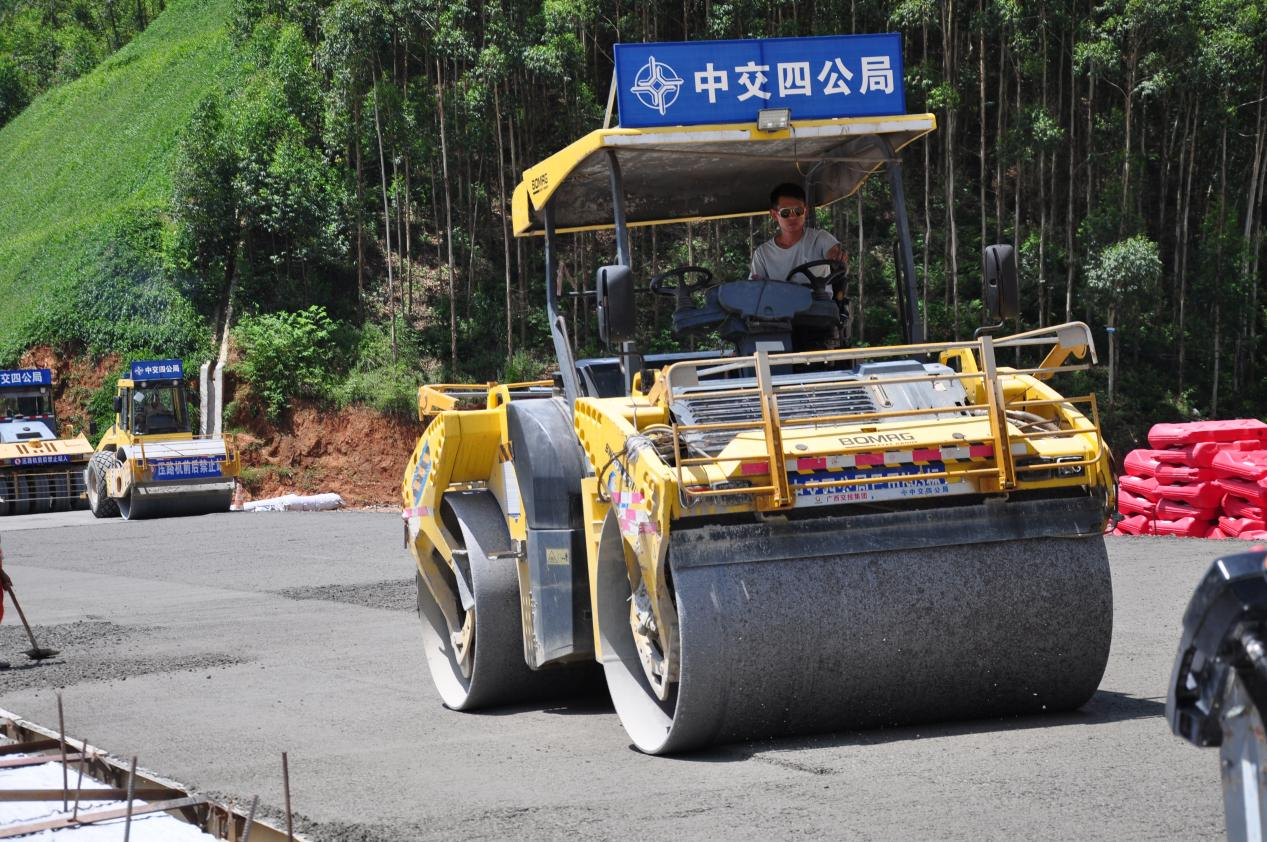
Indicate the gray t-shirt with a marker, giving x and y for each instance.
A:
(773, 262)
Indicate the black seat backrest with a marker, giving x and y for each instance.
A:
(601, 378)
(764, 299)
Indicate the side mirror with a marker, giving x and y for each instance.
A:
(617, 319)
(118, 405)
(1000, 288)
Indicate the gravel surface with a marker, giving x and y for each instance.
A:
(242, 636)
(92, 650)
(394, 595)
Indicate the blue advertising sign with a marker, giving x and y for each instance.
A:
(26, 377)
(185, 468)
(693, 82)
(157, 370)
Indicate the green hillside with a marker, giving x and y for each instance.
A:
(84, 181)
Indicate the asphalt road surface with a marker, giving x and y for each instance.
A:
(209, 645)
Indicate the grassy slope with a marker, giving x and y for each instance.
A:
(85, 155)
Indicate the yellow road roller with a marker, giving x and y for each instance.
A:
(39, 472)
(150, 463)
(782, 535)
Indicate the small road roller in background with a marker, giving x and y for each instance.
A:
(39, 472)
(150, 463)
(1218, 691)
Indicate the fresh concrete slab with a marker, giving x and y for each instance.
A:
(210, 645)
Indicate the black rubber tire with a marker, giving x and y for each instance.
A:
(40, 488)
(60, 487)
(101, 503)
(21, 496)
(499, 675)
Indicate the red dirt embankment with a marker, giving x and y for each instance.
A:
(75, 377)
(355, 452)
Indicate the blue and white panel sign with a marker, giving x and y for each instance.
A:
(157, 370)
(186, 468)
(692, 82)
(45, 459)
(26, 377)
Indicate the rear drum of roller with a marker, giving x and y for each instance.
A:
(801, 645)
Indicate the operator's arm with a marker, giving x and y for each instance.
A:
(758, 271)
(837, 252)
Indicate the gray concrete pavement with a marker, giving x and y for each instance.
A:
(51, 520)
(209, 645)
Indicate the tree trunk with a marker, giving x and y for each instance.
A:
(862, 271)
(505, 214)
(927, 144)
(1183, 246)
(360, 204)
(1247, 281)
(952, 234)
(387, 223)
(981, 122)
(448, 221)
(1073, 146)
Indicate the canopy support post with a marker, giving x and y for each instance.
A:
(558, 327)
(630, 360)
(915, 328)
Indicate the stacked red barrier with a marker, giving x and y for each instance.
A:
(1204, 479)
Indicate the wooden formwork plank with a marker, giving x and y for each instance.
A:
(97, 816)
(217, 819)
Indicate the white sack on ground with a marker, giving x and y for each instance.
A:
(295, 503)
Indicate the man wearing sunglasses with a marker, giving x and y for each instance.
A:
(795, 244)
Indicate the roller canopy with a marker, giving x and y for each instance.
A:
(692, 173)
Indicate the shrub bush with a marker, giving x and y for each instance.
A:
(287, 355)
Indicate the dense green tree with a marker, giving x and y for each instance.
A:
(364, 157)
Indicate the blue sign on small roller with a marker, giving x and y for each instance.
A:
(157, 370)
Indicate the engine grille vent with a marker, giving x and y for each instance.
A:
(795, 403)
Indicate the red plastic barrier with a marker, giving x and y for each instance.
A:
(1173, 456)
(1169, 474)
(1142, 463)
(1255, 493)
(1218, 534)
(1203, 495)
(1187, 527)
(1202, 453)
(1237, 525)
(1251, 465)
(1131, 504)
(1168, 435)
(1139, 486)
(1176, 509)
(1236, 507)
(1253, 536)
(1136, 525)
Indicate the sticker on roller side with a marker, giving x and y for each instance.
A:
(422, 471)
(907, 488)
(188, 468)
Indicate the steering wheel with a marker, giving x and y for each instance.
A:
(838, 271)
(682, 290)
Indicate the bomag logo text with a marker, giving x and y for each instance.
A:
(878, 438)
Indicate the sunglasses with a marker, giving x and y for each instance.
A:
(786, 212)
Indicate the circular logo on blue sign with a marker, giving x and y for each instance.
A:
(656, 85)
